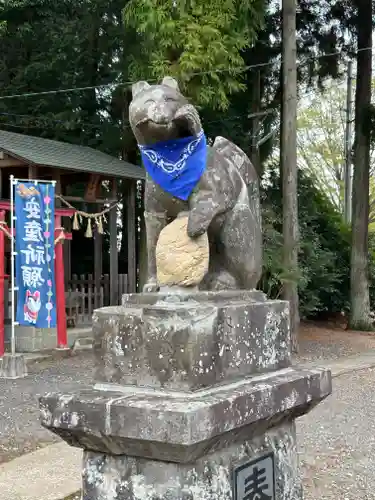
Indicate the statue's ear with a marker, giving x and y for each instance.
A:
(170, 82)
(139, 87)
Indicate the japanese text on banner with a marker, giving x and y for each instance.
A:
(34, 244)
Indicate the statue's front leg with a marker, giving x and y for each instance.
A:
(155, 223)
(202, 211)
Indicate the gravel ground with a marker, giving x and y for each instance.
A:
(20, 431)
(321, 341)
(337, 439)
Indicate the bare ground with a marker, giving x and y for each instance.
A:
(20, 430)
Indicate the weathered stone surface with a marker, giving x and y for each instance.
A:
(188, 342)
(136, 300)
(191, 384)
(179, 401)
(208, 478)
(13, 366)
(181, 260)
(225, 203)
(179, 427)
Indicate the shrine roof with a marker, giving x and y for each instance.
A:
(50, 153)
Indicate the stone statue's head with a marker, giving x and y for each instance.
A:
(160, 112)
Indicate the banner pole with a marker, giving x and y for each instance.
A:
(13, 295)
(2, 291)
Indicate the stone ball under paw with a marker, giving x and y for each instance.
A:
(181, 260)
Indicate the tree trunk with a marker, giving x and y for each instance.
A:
(359, 282)
(288, 165)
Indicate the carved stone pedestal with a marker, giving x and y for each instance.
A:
(194, 398)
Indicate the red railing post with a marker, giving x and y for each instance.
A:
(2, 272)
(62, 336)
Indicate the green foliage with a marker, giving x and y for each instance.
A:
(324, 249)
(196, 36)
(62, 45)
(320, 140)
(85, 43)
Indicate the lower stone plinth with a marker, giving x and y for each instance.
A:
(211, 477)
(182, 427)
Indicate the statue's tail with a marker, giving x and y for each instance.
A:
(236, 156)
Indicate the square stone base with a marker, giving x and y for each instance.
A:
(109, 477)
(190, 341)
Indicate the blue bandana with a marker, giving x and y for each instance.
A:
(176, 165)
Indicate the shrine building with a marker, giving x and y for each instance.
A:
(96, 200)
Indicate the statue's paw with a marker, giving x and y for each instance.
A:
(151, 286)
(196, 228)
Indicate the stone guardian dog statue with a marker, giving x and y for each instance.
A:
(218, 187)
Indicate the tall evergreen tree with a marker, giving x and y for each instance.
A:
(359, 279)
